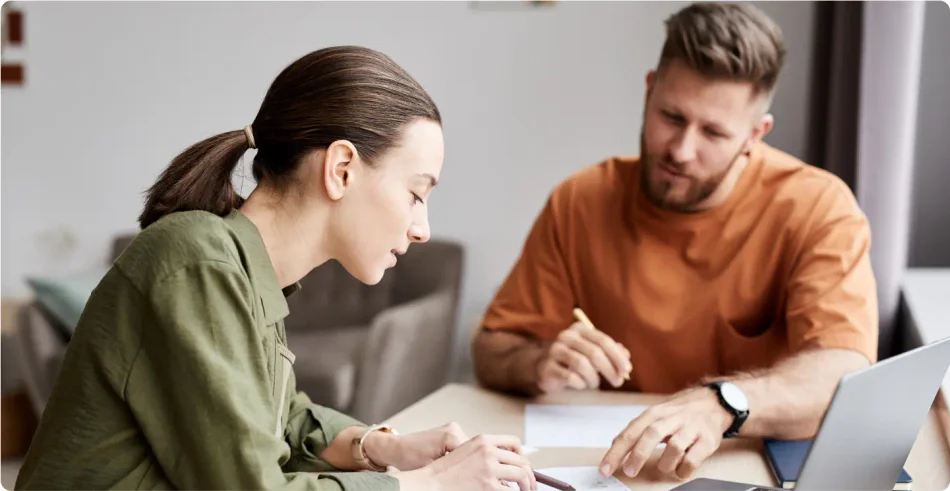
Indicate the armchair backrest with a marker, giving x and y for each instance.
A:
(426, 268)
(331, 297)
(120, 243)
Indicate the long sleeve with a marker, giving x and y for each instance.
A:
(310, 428)
(202, 392)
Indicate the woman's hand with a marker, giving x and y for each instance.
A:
(414, 450)
(485, 462)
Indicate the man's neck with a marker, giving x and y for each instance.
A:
(725, 188)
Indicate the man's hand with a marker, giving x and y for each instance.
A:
(786, 401)
(579, 357)
(413, 450)
(691, 424)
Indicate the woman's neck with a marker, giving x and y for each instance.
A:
(294, 239)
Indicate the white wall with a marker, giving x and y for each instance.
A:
(930, 236)
(115, 90)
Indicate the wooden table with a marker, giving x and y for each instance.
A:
(480, 411)
(926, 311)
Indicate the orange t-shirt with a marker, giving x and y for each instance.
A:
(782, 265)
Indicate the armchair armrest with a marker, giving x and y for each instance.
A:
(406, 356)
(42, 349)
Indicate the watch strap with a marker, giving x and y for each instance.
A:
(733, 430)
(738, 417)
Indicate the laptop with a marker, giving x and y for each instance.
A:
(869, 428)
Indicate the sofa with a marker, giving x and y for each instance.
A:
(368, 351)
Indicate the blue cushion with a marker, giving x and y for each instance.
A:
(64, 296)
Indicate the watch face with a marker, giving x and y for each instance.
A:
(734, 396)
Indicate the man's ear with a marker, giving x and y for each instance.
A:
(337, 168)
(651, 80)
(761, 128)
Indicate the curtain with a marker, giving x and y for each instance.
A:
(864, 111)
(833, 136)
(890, 82)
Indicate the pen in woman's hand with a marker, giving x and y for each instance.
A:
(554, 483)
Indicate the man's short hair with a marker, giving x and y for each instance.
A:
(726, 41)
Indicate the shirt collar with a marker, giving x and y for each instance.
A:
(260, 269)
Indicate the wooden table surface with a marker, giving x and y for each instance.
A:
(480, 411)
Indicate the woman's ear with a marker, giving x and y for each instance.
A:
(338, 168)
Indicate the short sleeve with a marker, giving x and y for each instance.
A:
(536, 296)
(832, 294)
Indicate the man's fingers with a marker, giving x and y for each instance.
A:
(555, 377)
(618, 355)
(676, 448)
(623, 443)
(576, 382)
(695, 455)
(652, 436)
(576, 362)
(595, 353)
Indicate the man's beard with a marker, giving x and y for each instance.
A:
(657, 194)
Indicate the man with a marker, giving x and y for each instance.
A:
(712, 257)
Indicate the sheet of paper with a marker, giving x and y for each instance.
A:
(580, 478)
(555, 425)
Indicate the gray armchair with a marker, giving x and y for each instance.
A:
(371, 351)
(43, 344)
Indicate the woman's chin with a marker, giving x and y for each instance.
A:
(372, 277)
(369, 275)
(375, 279)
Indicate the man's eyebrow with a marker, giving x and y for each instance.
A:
(672, 110)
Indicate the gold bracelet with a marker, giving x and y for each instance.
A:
(359, 453)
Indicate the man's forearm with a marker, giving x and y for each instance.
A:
(507, 361)
(788, 400)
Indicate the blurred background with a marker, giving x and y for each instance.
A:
(97, 98)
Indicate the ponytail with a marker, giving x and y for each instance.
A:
(337, 93)
(199, 178)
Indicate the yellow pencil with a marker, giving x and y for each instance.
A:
(583, 319)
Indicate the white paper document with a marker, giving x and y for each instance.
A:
(580, 478)
(555, 425)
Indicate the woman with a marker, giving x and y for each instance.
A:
(178, 374)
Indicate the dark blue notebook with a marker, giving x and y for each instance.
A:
(786, 457)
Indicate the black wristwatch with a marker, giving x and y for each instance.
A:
(734, 400)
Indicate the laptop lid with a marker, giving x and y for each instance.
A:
(873, 420)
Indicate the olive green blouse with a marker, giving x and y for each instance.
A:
(178, 375)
